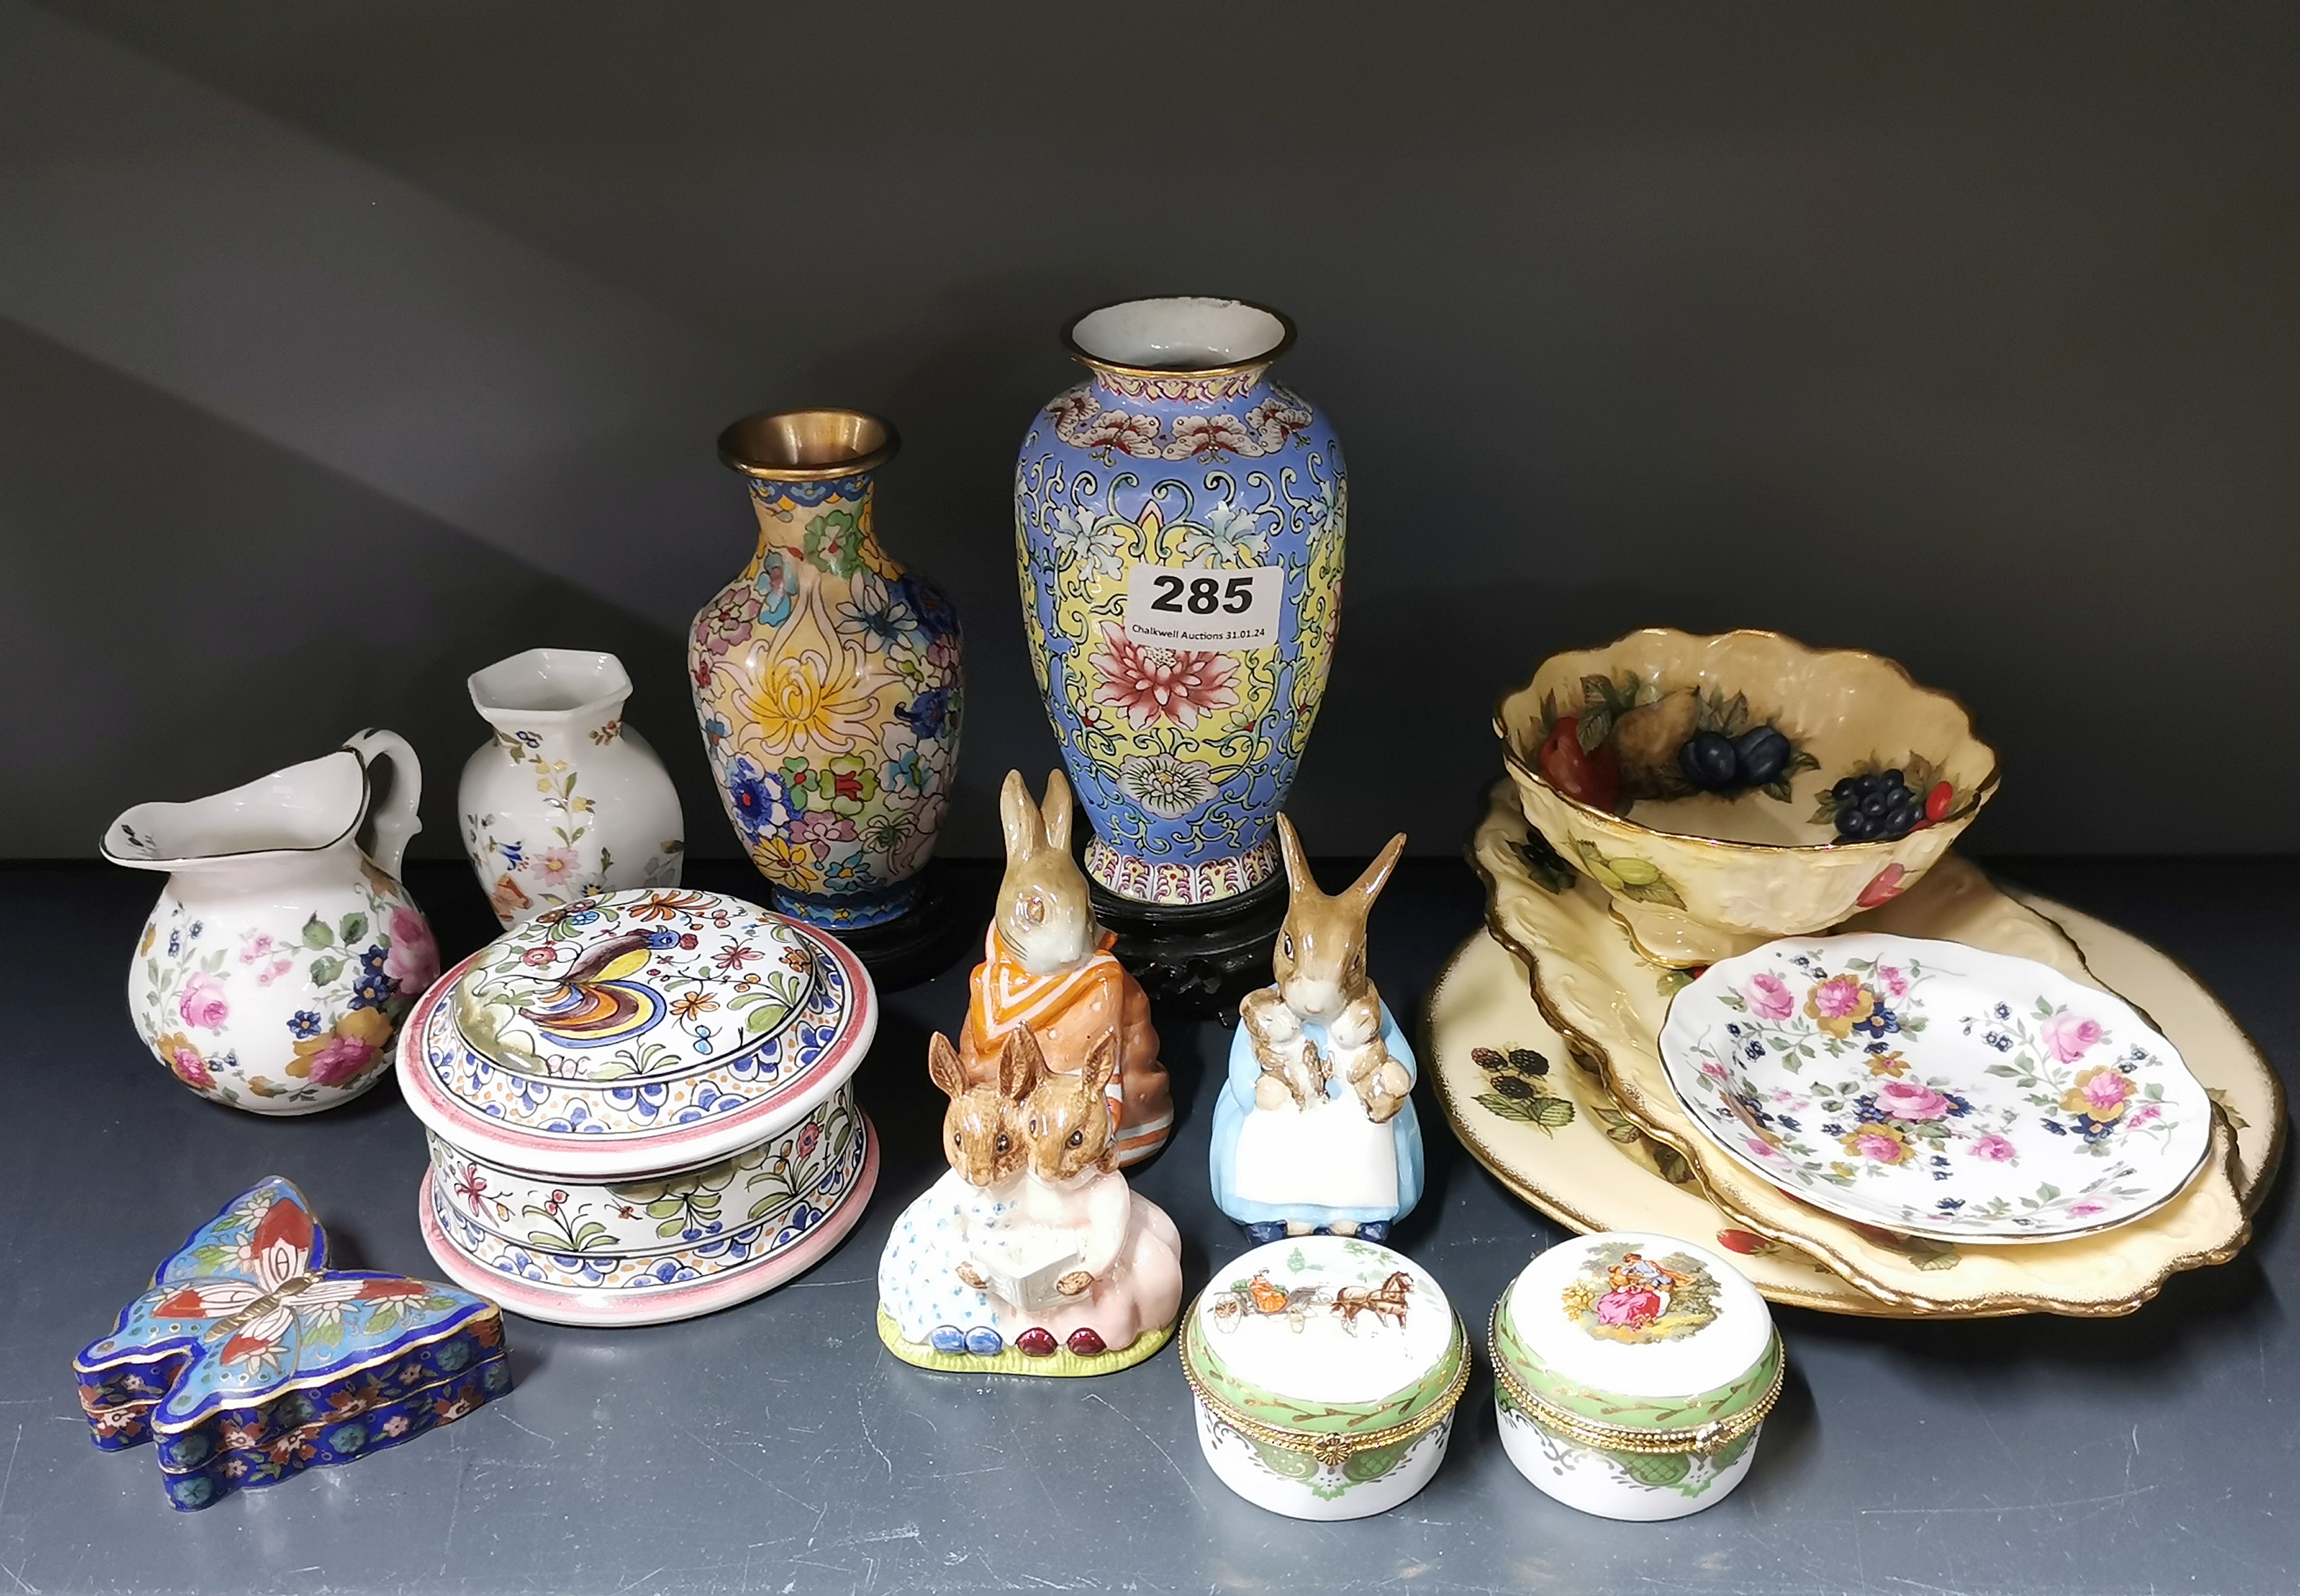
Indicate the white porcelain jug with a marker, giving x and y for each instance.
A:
(282, 953)
(567, 800)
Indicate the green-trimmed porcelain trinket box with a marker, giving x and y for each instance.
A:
(1325, 1371)
(1632, 1374)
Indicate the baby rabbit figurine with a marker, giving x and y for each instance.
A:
(1314, 1128)
(1032, 1244)
(927, 1288)
(1047, 965)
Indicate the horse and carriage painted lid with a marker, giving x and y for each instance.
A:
(1328, 1361)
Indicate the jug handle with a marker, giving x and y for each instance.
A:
(392, 802)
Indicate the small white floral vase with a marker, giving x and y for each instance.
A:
(566, 800)
(281, 955)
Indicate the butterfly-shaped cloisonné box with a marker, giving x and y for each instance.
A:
(249, 1359)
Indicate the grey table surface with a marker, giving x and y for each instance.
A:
(777, 1447)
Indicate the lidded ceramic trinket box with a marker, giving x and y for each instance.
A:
(639, 1107)
(1632, 1373)
(1325, 1371)
(248, 1360)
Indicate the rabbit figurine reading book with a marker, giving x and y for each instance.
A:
(1031, 1256)
(1314, 1127)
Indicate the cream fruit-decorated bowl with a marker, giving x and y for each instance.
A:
(1726, 790)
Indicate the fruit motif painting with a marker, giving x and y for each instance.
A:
(1890, 803)
(1632, 740)
(1515, 1089)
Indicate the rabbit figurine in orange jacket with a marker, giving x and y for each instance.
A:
(1047, 964)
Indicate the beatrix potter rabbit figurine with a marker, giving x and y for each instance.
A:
(930, 1297)
(1049, 966)
(1129, 1274)
(1032, 1256)
(1314, 1128)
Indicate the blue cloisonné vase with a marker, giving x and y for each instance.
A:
(1179, 519)
(826, 679)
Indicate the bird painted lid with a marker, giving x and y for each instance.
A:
(1637, 1342)
(631, 1032)
(1326, 1344)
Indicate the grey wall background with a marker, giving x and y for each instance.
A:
(347, 348)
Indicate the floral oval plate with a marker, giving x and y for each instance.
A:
(1936, 1089)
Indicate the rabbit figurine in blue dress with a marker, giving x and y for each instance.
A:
(1314, 1127)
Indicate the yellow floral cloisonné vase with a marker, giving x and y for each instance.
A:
(1180, 520)
(826, 679)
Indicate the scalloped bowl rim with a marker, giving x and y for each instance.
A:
(1515, 763)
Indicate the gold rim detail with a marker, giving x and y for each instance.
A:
(1334, 1450)
(1622, 1438)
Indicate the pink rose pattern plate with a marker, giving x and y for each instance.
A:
(1935, 1089)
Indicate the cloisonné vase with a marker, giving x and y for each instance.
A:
(826, 679)
(1180, 522)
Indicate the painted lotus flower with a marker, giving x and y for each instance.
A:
(1178, 686)
(202, 1003)
(1912, 1101)
(1839, 1004)
(1769, 996)
(1879, 1144)
(2070, 1036)
(2100, 1093)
